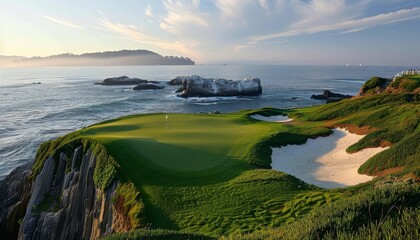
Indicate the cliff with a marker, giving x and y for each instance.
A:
(62, 201)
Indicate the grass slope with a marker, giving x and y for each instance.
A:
(389, 212)
(209, 174)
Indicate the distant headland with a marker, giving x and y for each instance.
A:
(108, 58)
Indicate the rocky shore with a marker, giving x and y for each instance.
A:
(62, 202)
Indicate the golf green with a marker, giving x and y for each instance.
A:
(179, 143)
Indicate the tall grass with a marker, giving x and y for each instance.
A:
(391, 212)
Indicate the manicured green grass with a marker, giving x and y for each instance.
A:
(183, 144)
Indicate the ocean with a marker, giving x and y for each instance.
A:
(67, 98)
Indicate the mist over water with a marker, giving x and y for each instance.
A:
(67, 99)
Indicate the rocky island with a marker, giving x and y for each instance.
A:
(196, 86)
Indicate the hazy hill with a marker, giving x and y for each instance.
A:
(109, 58)
(6, 60)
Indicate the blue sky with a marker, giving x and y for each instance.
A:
(371, 32)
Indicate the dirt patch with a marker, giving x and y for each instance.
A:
(385, 143)
(388, 171)
(355, 129)
(121, 221)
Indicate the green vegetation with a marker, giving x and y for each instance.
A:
(406, 84)
(390, 212)
(209, 174)
(127, 200)
(374, 85)
(199, 172)
(149, 234)
(414, 77)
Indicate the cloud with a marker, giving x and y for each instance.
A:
(233, 11)
(264, 4)
(347, 26)
(182, 15)
(148, 11)
(353, 30)
(133, 33)
(64, 22)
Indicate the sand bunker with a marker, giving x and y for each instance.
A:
(324, 161)
(277, 118)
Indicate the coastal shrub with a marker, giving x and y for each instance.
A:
(373, 83)
(389, 212)
(157, 234)
(406, 153)
(410, 85)
(406, 83)
(128, 202)
(106, 166)
(354, 107)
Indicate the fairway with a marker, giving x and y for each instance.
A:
(178, 143)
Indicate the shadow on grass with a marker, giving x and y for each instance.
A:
(142, 169)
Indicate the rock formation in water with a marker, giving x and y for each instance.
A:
(330, 96)
(147, 86)
(196, 86)
(122, 80)
(62, 202)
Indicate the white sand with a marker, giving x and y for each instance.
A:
(278, 118)
(324, 161)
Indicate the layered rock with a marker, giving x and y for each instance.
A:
(15, 192)
(196, 86)
(122, 80)
(62, 203)
(330, 96)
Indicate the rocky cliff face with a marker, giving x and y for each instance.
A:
(62, 203)
(196, 86)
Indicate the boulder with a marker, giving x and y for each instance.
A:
(147, 86)
(330, 96)
(122, 80)
(196, 86)
(177, 81)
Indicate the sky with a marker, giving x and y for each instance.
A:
(369, 32)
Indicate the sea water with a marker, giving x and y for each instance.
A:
(67, 99)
